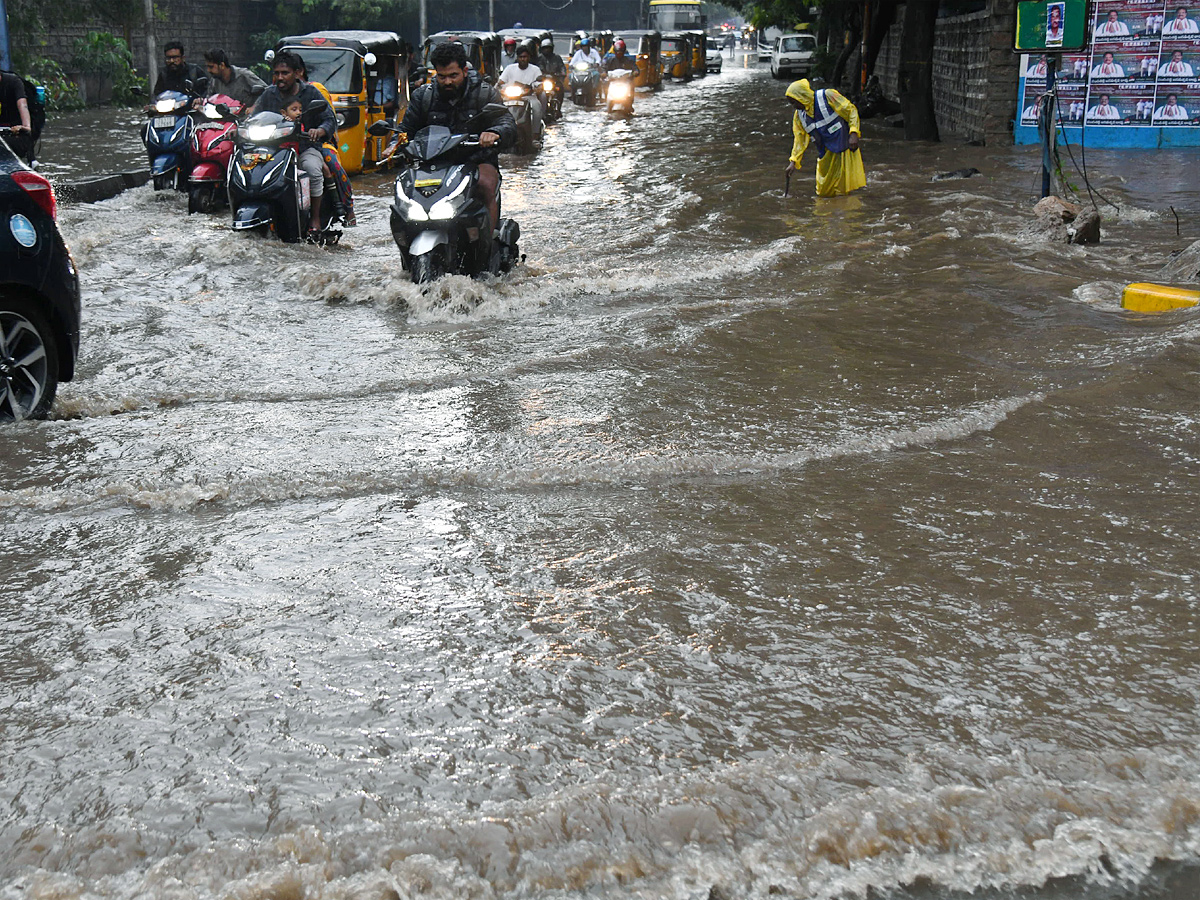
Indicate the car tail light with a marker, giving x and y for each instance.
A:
(39, 189)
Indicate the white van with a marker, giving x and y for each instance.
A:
(792, 55)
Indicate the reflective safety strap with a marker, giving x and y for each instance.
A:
(827, 115)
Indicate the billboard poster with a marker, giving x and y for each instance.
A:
(1137, 83)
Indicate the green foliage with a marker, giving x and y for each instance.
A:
(784, 14)
(61, 91)
(103, 53)
(823, 63)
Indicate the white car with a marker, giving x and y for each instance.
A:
(713, 58)
(792, 55)
(764, 50)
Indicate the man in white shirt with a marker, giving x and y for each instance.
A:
(1108, 68)
(524, 72)
(586, 54)
(1176, 68)
(1113, 27)
(1104, 111)
(1038, 69)
(1172, 111)
(1181, 24)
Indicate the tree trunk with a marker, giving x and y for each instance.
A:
(839, 68)
(883, 14)
(916, 70)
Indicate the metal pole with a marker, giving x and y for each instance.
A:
(1049, 123)
(424, 21)
(151, 48)
(491, 15)
(593, 15)
(5, 47)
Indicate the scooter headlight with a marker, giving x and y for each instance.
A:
(408, 207)
(548, 85)
(164, 106)
(580, 67)
(257, 133)
(618, 90)
(448, 206)
(513, 91)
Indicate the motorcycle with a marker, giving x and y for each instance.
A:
(212, 148)
(168, 138)
(526, 111)
(437, 222)
(585, 84)
(553, 87)
(267, 187)
(620, 91)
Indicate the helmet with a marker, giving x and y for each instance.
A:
(583, 42)
(510, 40)
(547, 44)
(618, 44)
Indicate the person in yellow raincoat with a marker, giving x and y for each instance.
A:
(826, 118)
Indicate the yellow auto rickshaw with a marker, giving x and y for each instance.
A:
(699, 53)
(646, 46)
(366, 75)
(677, 56)
(483, 50)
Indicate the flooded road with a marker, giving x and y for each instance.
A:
(734, 546)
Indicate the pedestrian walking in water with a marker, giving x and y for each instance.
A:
(826, 118)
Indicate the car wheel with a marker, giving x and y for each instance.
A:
(28, 361)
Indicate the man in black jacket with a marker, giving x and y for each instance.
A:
(178, 75)
(463, 102)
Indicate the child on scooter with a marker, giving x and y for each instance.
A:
(293, 111)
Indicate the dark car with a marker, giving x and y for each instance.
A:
(39, 294)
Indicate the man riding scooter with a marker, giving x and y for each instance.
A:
(462, 101)
(553, 66)
(524, 72)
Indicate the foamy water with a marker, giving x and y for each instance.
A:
(732, 546)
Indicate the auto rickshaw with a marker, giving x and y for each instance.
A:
(646, 46)
(483, 50)
(699, 53)
(365, 73)
(677, 56)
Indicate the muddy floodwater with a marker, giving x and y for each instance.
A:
(731, 547)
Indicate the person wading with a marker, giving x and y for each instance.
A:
(827, 119)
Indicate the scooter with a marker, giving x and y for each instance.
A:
(437, 222)
(168, 138)
(526, 110)
(585, 84)
(212, 148)
(553, 87)
(620, 91)
(267, 188)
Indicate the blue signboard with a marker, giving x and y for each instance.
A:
(1136, 85)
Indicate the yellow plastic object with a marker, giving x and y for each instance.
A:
(1148, 298)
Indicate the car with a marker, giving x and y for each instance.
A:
(713, 58)
(39, 294)
(764, 49)
(792, 55)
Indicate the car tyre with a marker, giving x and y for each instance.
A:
(28, 360)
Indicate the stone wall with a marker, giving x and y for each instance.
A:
(974, 72)
(200, 25)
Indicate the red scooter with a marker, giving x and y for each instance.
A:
(212, 146)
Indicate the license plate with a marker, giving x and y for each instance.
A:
(164, 122)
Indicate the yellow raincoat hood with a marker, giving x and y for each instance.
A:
(801, 91)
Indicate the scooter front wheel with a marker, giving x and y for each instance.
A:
(427, 267)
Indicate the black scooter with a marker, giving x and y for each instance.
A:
(438, 223)
(267, 187)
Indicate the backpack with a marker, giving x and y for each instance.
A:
(37, 109)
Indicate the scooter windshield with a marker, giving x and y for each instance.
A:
(433, 141)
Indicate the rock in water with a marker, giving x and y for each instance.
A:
(1059, 220)
(1184, 265)
(957, 173)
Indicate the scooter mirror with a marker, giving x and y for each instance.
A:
(269, 55)
(381, 128)
(369, 59)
